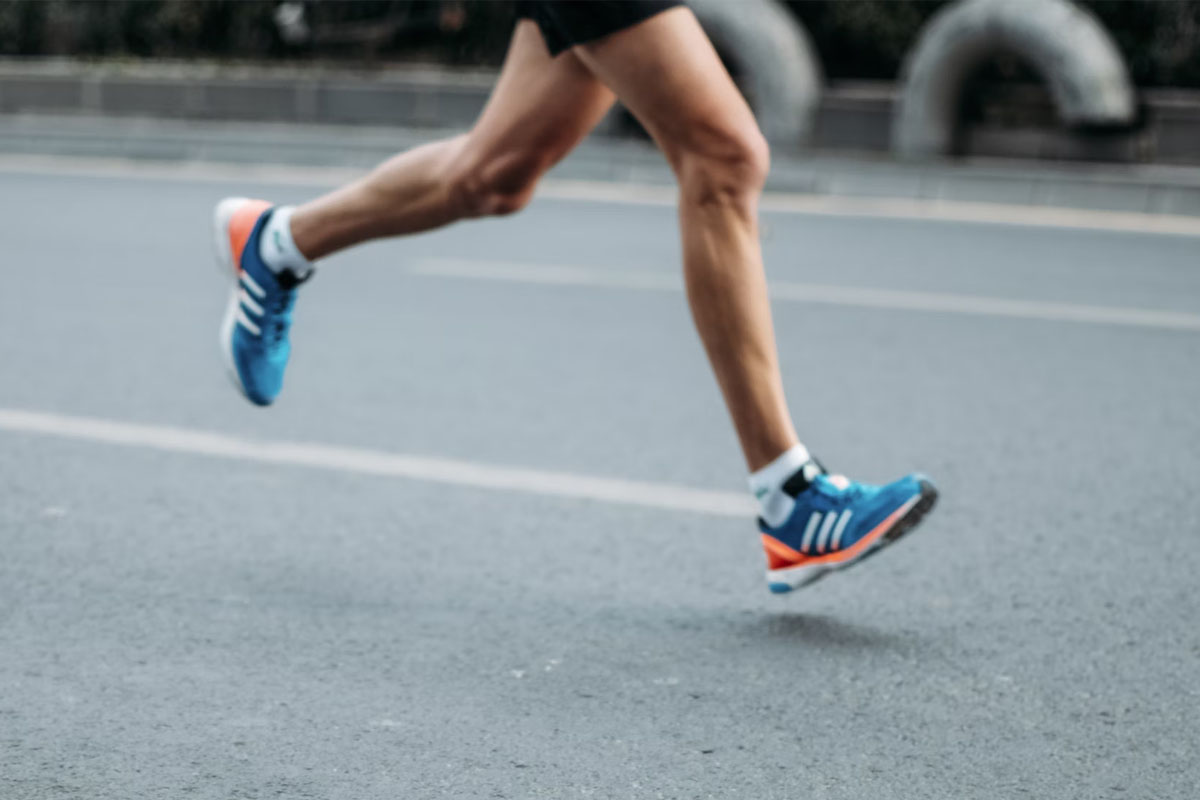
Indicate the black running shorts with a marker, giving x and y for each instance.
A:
(565, 23)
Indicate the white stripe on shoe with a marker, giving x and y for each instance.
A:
(249, 302)
(245, 322)
(809, 530)
(823, 538)
(841, 528)
(252, 284)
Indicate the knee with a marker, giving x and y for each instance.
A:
(730, 168)
(490, 185)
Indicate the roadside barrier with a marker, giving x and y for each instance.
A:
(1064, 43)
(774, 60)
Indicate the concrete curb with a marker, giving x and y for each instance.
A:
(1143, 189)
(855, 117)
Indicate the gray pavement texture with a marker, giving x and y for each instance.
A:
(174, 626)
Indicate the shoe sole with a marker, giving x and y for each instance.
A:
(223, 254)
(782, 581)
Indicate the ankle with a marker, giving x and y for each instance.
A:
(277, 246)
(767, 484)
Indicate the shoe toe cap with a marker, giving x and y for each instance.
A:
(260, 376)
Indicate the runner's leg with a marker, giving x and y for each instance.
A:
(539, 110)
(710, 137)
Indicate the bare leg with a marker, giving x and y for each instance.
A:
(540, 109)
(710, 137)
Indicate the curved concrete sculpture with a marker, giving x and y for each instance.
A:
(1063, 42)
(774, 59)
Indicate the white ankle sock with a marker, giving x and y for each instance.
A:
(767, 485)
(276, 247)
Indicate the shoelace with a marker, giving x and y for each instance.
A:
(840, 486)
(280, 305)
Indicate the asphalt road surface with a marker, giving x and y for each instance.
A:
(461, 601)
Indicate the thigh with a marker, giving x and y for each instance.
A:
(666, 71)
(541, 103)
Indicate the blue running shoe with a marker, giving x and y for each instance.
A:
(838, 522)
(254, 334)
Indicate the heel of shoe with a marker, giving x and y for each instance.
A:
(222, 246)
(226, 343)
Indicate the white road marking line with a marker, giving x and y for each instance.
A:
(912, 209)
(662, 496)
(792, 291)
(903, 208)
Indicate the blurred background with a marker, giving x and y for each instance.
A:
(981, 239)
(1111, 80)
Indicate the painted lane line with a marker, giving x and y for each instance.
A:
(637, 194)
(816, 293)
(902, 208)
(664, 496)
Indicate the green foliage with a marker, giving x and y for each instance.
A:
(1160, 39)
(863, 39)
(857, 39)
(22, 27)
(138, 28)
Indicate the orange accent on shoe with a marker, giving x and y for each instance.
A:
(241, 225)
(780, 556)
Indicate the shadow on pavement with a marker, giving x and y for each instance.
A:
(818, 630)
